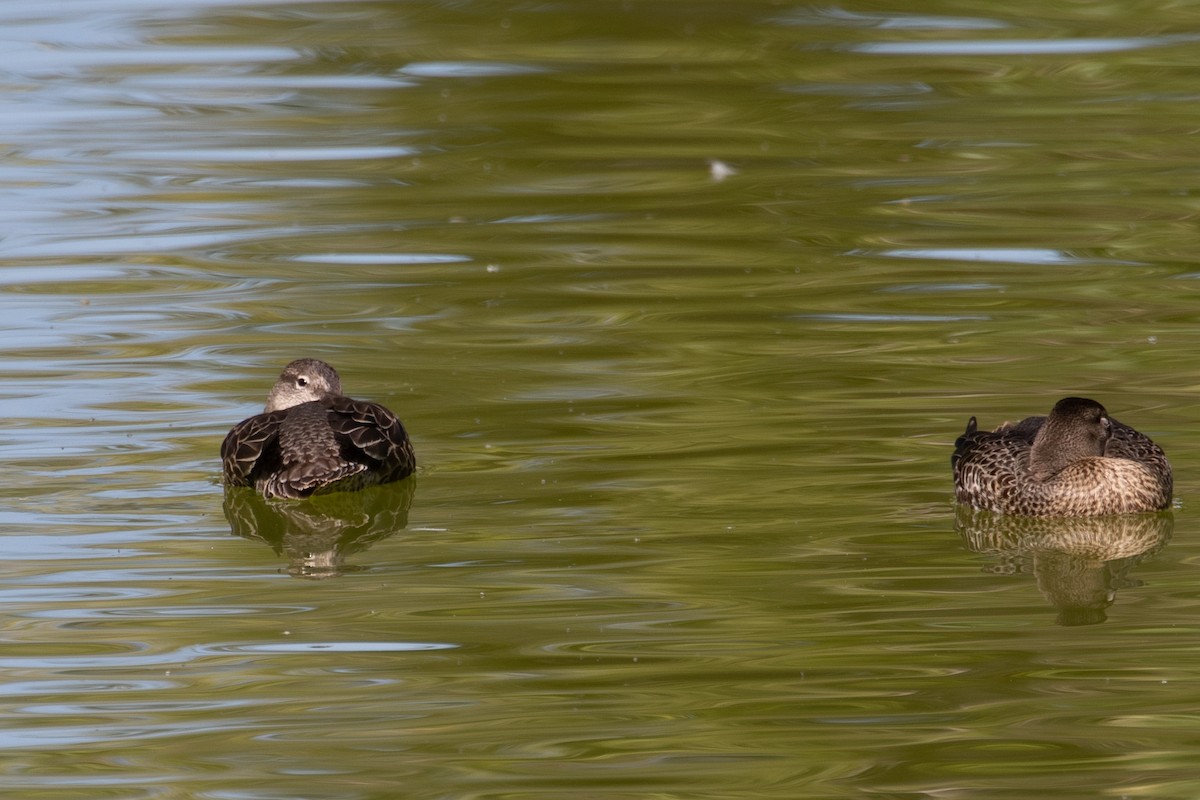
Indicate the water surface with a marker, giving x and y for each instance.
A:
(684, 305)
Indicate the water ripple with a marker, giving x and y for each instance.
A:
(329, 647)
(1022, 47)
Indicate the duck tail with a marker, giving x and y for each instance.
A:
(962, 444)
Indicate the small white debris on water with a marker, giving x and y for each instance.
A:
(719, 170)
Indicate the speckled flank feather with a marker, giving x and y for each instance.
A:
(326, 442)
(1000, 472)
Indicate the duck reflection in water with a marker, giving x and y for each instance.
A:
(1079, 563)
(317, 536)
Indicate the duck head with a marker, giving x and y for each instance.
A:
(1076, 428)
(303, 381)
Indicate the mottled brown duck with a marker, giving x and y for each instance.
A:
(1077, 461)
(312, 439)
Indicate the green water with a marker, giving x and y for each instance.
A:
(684, 305)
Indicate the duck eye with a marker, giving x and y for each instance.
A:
(301, 381)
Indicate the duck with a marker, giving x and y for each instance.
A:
(1076, 461)
(311, 439)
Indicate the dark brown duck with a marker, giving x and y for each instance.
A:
(311, 439)
(1075, 462)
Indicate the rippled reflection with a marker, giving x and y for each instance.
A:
(318, 534)
(1079, 563)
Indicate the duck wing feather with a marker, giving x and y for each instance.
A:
(250, 445)
(371, 434)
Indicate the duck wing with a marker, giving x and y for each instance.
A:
(251, 446)
(372, 435)
(1009, 439)
(990, 464)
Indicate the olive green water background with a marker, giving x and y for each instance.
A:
(684, 304)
